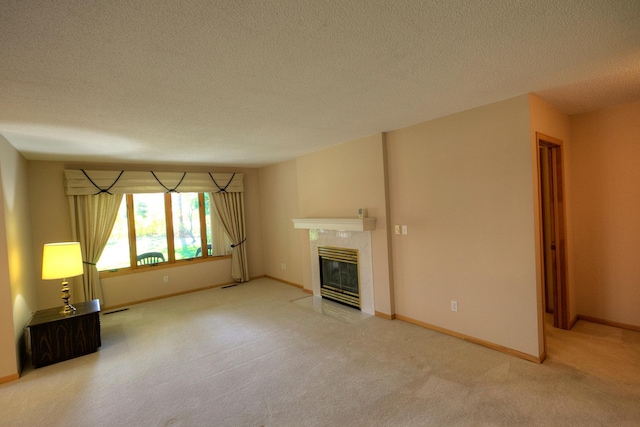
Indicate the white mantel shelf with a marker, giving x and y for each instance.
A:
(339, 224)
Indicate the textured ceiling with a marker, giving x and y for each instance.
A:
(249, 83)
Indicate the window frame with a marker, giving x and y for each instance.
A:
(171, 261)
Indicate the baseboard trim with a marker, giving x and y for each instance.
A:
(608, 322)
(9, 378)
(286, 282)
(536, 359)
(385, 315)
(112, 307)
(573, 322)
(542, 357)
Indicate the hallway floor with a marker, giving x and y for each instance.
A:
(606, 352)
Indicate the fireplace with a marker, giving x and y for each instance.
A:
(351, 233)
(339, 275)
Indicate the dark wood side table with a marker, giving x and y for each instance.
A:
(56, 337)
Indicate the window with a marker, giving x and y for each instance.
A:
(150, 224)
(159, 228)
(187, 240)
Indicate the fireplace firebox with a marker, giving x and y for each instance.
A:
(339, 275)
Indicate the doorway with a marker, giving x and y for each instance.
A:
(552, 220)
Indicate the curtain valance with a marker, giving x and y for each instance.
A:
(86, 182)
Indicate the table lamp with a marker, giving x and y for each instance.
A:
(61, 261)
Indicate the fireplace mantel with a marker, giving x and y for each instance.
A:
(338, 224)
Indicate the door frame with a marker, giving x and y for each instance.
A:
(560, 297)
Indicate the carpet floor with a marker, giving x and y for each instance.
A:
(267, 354)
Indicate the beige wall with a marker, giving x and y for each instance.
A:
(51, 223)
(463, 186)
(279, 204)
(606, 212)
(335, 182)
(128, 288)
(17, 290)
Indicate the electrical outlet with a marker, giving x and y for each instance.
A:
(397, 227)
(404, 229)
(454, 305)
(166, 279)
(283, 266)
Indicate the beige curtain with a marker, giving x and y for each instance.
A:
(220, 243)
(92, 219)
(230, 207)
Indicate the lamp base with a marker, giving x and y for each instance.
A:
(68, 308)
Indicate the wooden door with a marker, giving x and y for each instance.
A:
(553, 229)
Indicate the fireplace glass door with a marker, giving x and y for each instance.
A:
(339, 275)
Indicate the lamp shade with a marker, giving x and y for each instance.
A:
(61, 260)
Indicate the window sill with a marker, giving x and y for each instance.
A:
(163, 265)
